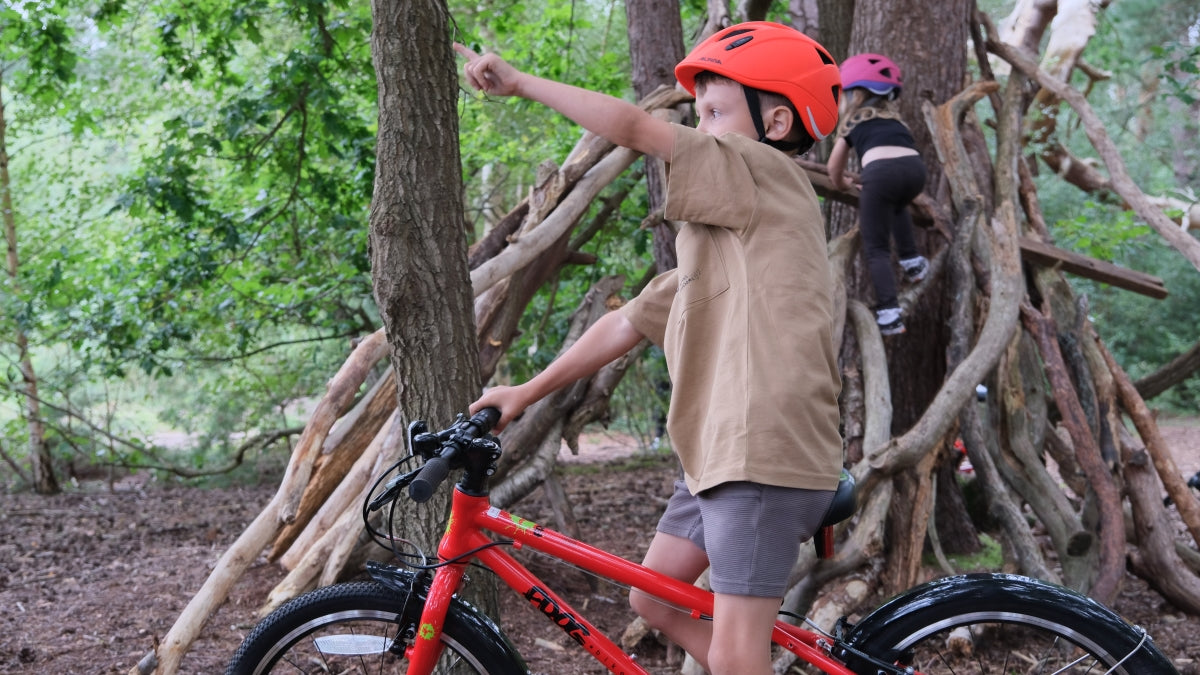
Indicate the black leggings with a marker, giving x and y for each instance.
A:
(888, 187)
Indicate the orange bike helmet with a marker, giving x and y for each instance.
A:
(776, 58)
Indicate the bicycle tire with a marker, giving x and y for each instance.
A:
(1000, 621)
(364, 619)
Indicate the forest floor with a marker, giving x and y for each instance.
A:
(90, 579)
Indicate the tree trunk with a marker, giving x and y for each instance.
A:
(916, 363)
(418, 238)
(44, 480)
(655, 46)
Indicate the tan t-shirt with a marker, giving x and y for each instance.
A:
(746, 321)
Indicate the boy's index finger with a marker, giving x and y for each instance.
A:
(466, 51)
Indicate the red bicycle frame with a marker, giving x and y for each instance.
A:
(466, 538)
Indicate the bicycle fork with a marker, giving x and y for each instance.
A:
(426, 646)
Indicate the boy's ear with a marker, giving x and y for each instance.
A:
(779, 122)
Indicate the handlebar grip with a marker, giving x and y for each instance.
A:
(428, 480)
(485, 419)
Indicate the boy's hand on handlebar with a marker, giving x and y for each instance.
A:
(489, 73)
(510, 401)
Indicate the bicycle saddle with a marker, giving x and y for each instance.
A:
(844, 504)
(845, 501)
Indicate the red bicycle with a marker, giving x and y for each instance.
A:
(409, 619)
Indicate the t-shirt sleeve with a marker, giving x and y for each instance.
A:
(649, 310)
(705, 175)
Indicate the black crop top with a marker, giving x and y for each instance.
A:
(877, 132)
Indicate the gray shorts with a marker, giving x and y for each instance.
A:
(750, 531)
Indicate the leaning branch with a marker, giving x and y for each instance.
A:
(1177, 370)
(1122, 183)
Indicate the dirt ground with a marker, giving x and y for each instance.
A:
(90, 579)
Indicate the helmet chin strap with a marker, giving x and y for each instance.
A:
(752, 100)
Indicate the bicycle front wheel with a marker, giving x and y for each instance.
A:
(995, 623)
(362, 628)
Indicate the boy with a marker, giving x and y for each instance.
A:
(745, 322)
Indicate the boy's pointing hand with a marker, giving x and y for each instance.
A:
(488, 72)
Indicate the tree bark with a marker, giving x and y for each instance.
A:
(1155, 560)
(1175, 371)
(1112, 524)
(346, 496)
(357, 429)
(418, 238)
(1164, 463)
(655, 46)
(337, 401)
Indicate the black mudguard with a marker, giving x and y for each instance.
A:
(945, 598)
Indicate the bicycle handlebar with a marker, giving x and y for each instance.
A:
(455, 439)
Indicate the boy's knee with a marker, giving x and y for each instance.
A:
(642, 604)
(725, 660)
(653, 612)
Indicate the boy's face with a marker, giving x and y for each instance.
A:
(722, 108)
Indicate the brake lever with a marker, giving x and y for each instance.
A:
(392, 489)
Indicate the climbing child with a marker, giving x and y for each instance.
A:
(745, 322)
(893, 174)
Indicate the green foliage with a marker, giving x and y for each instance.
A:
(205, 220)
(251, 207)
(1180, 71)
(1099, 231)
(194, 208)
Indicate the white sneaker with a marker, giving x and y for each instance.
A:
(889, 321)
(915, 269)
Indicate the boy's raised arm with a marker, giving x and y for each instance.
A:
(618, 121)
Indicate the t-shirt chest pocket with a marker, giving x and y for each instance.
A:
(702, 273)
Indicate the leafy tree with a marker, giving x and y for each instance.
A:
(36, 67)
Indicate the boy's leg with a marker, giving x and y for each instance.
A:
(681, 559)
(752, 533)
(742, 627)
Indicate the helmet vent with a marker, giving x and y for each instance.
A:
(826, 58)
(837, 94)
(738, 42)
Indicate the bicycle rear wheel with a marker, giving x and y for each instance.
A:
(994, 623)
(362, 627)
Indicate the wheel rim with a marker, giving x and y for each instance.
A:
(356, 641)
(1003, 642)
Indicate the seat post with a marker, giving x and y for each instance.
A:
(824, 542)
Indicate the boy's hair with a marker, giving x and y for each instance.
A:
(798, 141)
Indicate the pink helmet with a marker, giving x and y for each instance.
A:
(874, 72)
